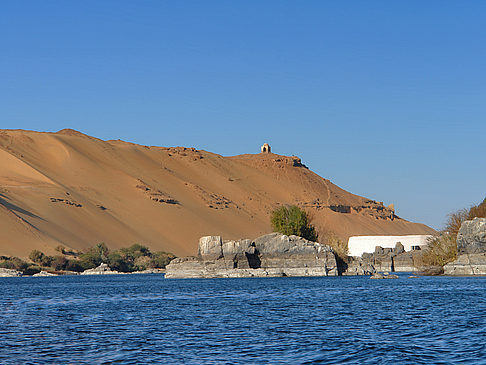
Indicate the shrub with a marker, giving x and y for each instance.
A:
(440, 250)
(36, 256)
(40, 258)
(142, 263)
(138, 258)
(13, 263)
(74, 265)
(120, 262)
(32, 269)
(339, 246)
(134, 251)
(160, 260)
(135, 257)
(61, 249)
(291, 220)
(477, 210)
(61, 263)
(454, 221)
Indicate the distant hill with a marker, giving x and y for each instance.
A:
(72, 189)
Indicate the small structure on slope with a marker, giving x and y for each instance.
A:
(266, 148)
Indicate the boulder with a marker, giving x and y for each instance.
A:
(406, 261)
(383, 276)
(103, 269)
(358, 266)
(274, 254)
(471, 249)
(150, 271)
(43, 273)
(210, 248)
(399, 248)
(471, 238)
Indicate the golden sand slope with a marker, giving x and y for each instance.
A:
(71, 189)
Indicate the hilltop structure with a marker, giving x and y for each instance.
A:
(266, 148)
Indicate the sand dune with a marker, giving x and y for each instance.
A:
(72, 189)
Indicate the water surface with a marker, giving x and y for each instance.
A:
(147, 319)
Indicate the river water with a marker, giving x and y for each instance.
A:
(133, 319)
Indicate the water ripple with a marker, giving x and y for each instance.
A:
(146, 319)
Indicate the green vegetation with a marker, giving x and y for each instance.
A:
(134, 258)
(94, 256)
(13, 263)
(442, 248)
(39, 258)
(291, 220)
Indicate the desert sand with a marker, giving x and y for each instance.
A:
(70, 189)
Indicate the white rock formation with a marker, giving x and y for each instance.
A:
(43, 273)
(103, 269)
(9, 273)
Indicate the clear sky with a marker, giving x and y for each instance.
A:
(387, 99)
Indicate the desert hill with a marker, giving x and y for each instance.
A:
(72, 189)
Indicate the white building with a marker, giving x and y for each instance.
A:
(357, 245)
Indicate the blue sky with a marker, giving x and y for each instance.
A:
(387, 99)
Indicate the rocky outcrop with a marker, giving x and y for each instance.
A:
(103, 269)
(471, 238)
(274, 254)
(383, 260)
(43, 273)
(467, 264)
(355, 265)
(471, 249)
(9, 273)
(150, 271)
(383, 276)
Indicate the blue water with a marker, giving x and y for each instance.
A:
(147, 319)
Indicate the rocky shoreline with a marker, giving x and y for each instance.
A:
(278, 255)
(275, 255)
(272, 255)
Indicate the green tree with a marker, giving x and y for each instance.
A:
(291, 220)
(120, 262)
(135, 251)
(94, 256)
